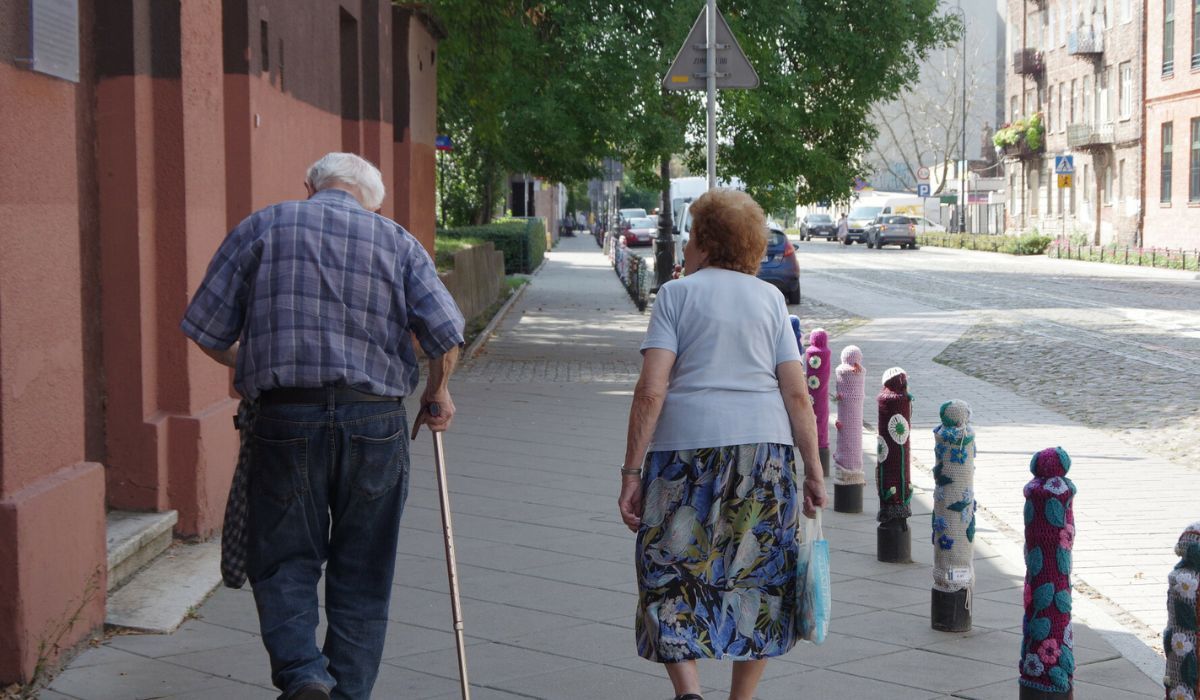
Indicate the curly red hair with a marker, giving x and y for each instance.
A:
(731, 228)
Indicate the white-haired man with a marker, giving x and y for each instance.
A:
(314, 302)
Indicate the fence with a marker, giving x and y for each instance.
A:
(1148, 257)
(631, 268)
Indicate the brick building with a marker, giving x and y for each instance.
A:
(1172, 118)
(1078, 64)
(133, 135)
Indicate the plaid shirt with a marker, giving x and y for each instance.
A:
(323, 292)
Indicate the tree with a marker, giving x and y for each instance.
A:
(924, 126)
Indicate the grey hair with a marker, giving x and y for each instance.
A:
(352, 172)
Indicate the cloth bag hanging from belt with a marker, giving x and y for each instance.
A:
(233, 535)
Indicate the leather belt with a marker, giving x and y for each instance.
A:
(341, 394)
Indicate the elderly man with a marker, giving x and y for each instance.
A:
(314, 303)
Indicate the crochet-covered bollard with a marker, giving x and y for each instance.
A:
(816, 358)
(1182, 679)
(953, 519)
(847, 458)
(1048, 643)
(797, 331)
(892, 477)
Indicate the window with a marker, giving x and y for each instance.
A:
(1168, 57)
(1103, 108)
(264, 46)
(1195, 34)
(1086, 115)
(1121, 183)
(1107, 200)
(1086, 184)
(1052, 16)
(1164, 169)
(1194, 166)
(1049, 179)
(1108, 13)
(1126, 89)
(1049, 109)
(1062, 27)
(1074, 102)
(1126, 10)
(1062, 125)
(1033, 191)
(1013, 108)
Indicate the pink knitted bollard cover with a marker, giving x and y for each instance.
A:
(851, 389)
(1048, 644)
(1182, 679)
(817, 361)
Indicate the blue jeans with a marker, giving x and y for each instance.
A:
(327, 485)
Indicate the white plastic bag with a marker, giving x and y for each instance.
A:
(812, 583)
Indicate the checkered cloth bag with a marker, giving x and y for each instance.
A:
(233, 536)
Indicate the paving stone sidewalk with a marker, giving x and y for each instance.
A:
(546, 566)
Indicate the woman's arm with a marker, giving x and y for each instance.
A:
(648, 397)
(793, 386)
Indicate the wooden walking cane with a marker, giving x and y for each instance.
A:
(451, 566)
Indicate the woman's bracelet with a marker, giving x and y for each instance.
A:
(630, 472)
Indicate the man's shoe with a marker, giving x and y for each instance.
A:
(312, 691)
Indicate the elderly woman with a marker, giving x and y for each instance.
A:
(709, 482)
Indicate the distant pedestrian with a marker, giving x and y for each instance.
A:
(843, 231)
(709, 482)
(315, 304)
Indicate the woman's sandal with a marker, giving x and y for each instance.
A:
(689, 696)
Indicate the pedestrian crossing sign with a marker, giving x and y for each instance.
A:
(1064, 165)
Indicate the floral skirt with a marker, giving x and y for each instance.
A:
(716, 553)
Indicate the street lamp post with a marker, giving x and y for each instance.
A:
(962, 152)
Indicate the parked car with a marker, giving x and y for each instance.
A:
(856, 223)
(892, 228)
(818, 225)
(780, 266)
(624, 216)
(924, 225)
(640, 231)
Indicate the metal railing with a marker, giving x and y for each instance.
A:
(1027, 62)
(1178, 259)
(1085, 42)
(1089, 135)
(631, 268)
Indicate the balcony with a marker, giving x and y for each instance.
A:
(1085, 42)
(1027, 62)
(1020, 151)
(1085, 136)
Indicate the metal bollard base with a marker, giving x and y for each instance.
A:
(949, 611)
(893, 541)
(847, 498)
(824, 452)
(1028, 693)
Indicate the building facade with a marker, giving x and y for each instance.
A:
(1076, 70)
(1172, 119)
(133, 135)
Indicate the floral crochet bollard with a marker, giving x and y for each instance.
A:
(847, 459)
(1179, 638)
(817, 361)
(1048, 644)
(953, 518)
(892, 477)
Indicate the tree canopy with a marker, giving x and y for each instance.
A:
(550, 87)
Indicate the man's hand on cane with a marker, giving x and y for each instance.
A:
(437, 412)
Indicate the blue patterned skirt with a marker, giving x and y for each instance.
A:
(716, 553)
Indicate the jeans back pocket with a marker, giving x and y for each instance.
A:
(279, 468)
(379, 462)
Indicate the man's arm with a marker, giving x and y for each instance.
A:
(227, 357)
(437, 391)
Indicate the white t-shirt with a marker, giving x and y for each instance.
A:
(728, 331)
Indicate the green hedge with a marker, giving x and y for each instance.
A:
(522, 241)
(1025, 244)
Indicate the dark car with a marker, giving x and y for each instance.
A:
(856, 223)
(892, 228)
(818, 225)
(640, 231)
(780, 267)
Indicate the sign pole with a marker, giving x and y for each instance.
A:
(711, 88)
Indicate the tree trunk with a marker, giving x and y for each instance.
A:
(664, 255)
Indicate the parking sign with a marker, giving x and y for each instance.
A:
(923, 190)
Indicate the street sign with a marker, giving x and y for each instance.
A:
(923, 189)
(1064, 181)
(1064, 165)
(688, 71)
(923, 173)
(443, 143)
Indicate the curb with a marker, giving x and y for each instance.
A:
(486, 334)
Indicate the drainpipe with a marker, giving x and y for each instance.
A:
(1139, 234)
